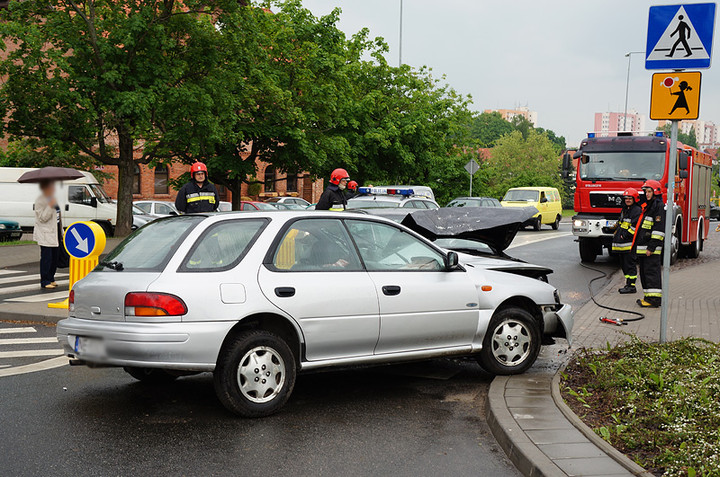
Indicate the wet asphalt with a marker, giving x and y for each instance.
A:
(424, 418)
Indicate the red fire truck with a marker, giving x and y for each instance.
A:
(606, 166)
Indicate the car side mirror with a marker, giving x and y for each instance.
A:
(683, 174)
(543, 200)
(451, 261)
(683, 161)
(93, 201)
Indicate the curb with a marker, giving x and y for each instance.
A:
(612, 452)
(528, 459)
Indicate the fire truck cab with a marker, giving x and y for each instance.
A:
(606, 166)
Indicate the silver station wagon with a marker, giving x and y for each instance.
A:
(256, 298)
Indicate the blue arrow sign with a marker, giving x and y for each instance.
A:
(79, 240)
(680, 36)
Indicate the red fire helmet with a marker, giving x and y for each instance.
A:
(338, 175)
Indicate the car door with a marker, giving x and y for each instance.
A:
(79, 204)
(315, 275)
(544, 207)
(422, 306)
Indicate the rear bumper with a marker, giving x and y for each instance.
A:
(560, 322)
(183, 346)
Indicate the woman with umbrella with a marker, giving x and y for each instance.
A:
(48, 221)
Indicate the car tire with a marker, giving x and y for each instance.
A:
(150, 375)
(537, 225)
(275, 374)
(498, 356)
(556, 225)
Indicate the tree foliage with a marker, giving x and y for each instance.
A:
(688, 139)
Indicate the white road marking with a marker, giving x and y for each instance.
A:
(10, 272)
(31, 368)
(4, 365)
(39, 297)
(28, 329)
(26, 278)
(15, 341)
(540, 239)
(30, 353)
(22, 288)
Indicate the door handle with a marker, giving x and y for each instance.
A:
(285, 292)
(67, 207)
(391, 290)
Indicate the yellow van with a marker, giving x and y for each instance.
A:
(545, 199)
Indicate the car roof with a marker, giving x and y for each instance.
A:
(475, 197)
(533, 188)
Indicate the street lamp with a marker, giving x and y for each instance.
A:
(401, 22)
(627, 84)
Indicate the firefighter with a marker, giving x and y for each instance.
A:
(624, 238)
(198, 195)
(334, 196)
(352, 190)
(649, 244)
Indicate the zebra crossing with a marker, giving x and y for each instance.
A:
(27, 349)
(21, 286)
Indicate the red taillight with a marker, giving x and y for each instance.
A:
(153, 304)
(71, 301)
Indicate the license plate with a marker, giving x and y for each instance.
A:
(85, 346)
(610, 223)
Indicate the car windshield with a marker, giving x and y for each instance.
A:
(371, 204)
(100, 193)
(138, 211)
(521, 195)
(622, 166)
(150, 247)
(466, 203)
(264, 206)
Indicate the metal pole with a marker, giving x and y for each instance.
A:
(627, 87)
(669, 219)
(471, 177)
(401, 35)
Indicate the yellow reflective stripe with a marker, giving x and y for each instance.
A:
(335, 209)
(657, 236)
(209, 198)
(631, 277)
(625, 225)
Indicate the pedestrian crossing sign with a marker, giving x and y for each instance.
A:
(680, 36)
(675, 95)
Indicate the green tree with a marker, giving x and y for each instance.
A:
(100, 81)
(688, 139)
(558, 141)
(487, 128)
(522, 162)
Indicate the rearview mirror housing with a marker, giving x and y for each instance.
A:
(683, 160)
(93, 201)
(683, 174)
(451, 261)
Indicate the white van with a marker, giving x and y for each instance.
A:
(79, 199)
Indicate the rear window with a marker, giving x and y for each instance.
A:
(149, 248)
(521, 195)
(223, 245)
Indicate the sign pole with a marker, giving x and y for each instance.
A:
(669, 219)
(471, 177)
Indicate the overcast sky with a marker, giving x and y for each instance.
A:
(563, 59)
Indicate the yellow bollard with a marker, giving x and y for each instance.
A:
(84, 242)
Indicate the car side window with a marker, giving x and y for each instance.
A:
(79, 195)
(384, 247)
(145, 207)
(162, 209)
(223, 245)
(316, 246)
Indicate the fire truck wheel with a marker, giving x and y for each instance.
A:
(588, 251)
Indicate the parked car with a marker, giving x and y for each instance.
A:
(247, 205)
(293, 203)
(224, 206)
(79, 199)
(9, 230)
(415, 197)
(257, 298)
(140, 218)
(158, 208)
(714, 212)
(474, 202)
(545, 199)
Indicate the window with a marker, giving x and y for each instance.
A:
(387, 248)
(316, 245)
(149, 248)
(223, 245)
(164, 209)
(161, 180)
(269, 179)
(292, 183)
(144, 206)
(79, 194)
(136, 179)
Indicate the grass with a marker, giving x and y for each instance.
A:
(16, 242)
(568, 212)
(660, 404)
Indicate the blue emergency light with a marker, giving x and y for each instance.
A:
(385, 191)
(591, 135)
(659, 134)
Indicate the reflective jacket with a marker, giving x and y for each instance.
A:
(651, 231)
(332, 199)
(193, 199)
(625, 228)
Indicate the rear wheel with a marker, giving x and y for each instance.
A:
(538, 223)
(693, 250)
(556, 225)
(588, 251)
(255, 374)
(511, 343)
(150, 375)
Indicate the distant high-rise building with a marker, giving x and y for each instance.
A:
(706, 132)
(509, 114)
(609, 123)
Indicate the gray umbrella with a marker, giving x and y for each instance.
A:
(50, 173)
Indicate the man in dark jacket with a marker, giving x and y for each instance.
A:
(334, 196)
(624, 238)
(198, 195)
(649, 244)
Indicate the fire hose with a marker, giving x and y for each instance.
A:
(613, 321)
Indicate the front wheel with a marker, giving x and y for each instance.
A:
(511, 343)
(556, 225)
(255, 374)
(588, 251)
(538, 223)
